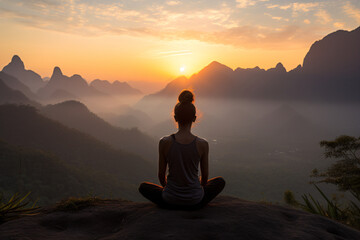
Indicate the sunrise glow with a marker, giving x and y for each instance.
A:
(149, 42)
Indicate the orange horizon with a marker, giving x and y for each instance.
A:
(156, 43)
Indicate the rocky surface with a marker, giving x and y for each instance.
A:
(225, 218)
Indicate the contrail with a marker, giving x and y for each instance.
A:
(174, 53)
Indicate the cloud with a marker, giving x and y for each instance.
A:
(323, 16)
(255, 37)
(307, 21)
(215, 25)
(339, 25)
(296, 7)
(173, 53)
(352, 12)
(173, 3)
(304, 7)
(282, 7)
(247, 3)
(278, 18)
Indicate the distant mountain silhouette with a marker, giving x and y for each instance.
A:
(337, 53)
(15, 84)
(30, 78)
(24, 126)
(72, 86)
(8, 95)
(114, 88)
(76, 115)
(331, 73)
(62, 95)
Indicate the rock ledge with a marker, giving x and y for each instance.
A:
(225, 218)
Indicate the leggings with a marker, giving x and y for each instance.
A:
(153, 192)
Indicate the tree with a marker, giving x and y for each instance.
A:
(345, 172)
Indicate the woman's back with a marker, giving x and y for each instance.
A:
(183, 186)
(181, 154)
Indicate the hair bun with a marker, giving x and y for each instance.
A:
(186, 96)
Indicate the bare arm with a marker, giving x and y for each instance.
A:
(204, 163)
(162, 163)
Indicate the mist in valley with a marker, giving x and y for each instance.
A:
(262, 148)
(263, 126)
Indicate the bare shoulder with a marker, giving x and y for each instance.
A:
(164, 141)
(164, 145)
(202, 142)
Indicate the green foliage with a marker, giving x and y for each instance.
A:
(349, 214)
(331, 210)
(15, 207)
(289, 198)
(345, 172)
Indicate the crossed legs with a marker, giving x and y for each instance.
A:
(153, 192)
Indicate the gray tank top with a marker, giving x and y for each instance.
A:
(183, 186)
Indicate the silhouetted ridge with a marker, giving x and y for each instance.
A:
(71, 104)
(72, 146)
(8, 95)
(15, 84)
(337, 53)
(17, 69)
(215, 67)
(61, 87)
(279, 68)
(114, 88)
(17, 62)
(75, 114)
(57, 73)
(330, 73)
(297, 69)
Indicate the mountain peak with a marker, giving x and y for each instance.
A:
(279, 68)
(337, 53)
(57, 72)
(215, 66)
(214, 63)
(16, 60)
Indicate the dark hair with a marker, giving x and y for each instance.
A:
(185, 111)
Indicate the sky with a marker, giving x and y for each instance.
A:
(155, 41)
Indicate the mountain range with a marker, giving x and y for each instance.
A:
(9, 95)
(330, 73)
(24, 126)
(69, 86)
(59, 86)
(30, 78)
(114, 88)
(76, 115)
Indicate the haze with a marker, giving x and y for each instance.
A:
(100, 80)
(143, 41)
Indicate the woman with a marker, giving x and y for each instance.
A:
(182, 153)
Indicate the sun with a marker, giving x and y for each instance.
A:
(182, 69)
